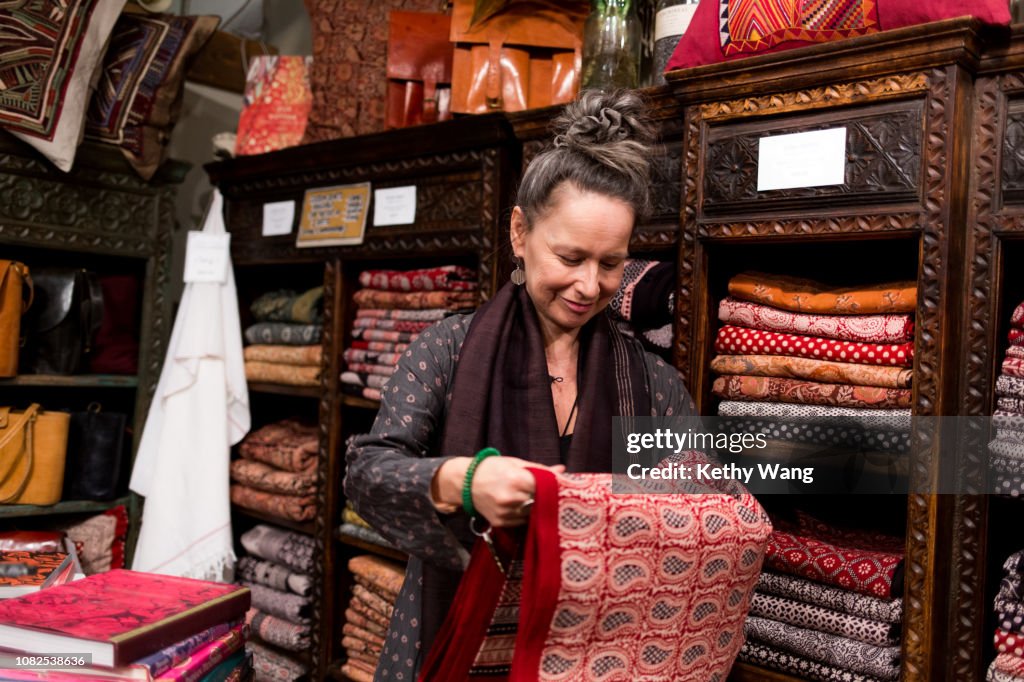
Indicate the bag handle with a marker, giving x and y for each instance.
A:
(29, 419)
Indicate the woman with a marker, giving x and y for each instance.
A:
(538, 372)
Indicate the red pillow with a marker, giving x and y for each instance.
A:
(730, 29)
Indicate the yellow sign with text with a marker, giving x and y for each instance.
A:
(334, 216)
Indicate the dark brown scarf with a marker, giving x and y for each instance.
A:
(501, 397)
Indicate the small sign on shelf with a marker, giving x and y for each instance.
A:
(334, 216)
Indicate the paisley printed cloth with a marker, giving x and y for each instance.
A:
(805, 295)
(358, 671)
(285, 355)
(1012, 584)
(275, 373)
(291, 607)
(743, 341)
(1010, 387)
(774, 658)
(1008, 421)
(863, 328)
(443, 278)
(264, 477)
(994, 674)
(672, 573)
(286, 547)
(286, 444)
(825, 371)
(364, 610)
(1007, 642)
(278, 333)
(898, 420)
(386, 576)
(1011, 435)
(813, 617)
(263, 572)
(279, 632)
(426, 315)
(365, 624)
(1011, 405)
(421, 300)
(353, 630)
(877, 574)
(271, 665)
(354, 644)
(881, 662)
(390, 325)
(298, 508)
(833, 598)
(373, 600)
(775, 389)
(286, 305)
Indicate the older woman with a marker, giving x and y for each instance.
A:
(537, 373)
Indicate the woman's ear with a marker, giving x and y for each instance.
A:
(517, 231)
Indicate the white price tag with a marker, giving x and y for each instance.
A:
(394, 206)
(813, 159)
(278, 218)
(206, 257)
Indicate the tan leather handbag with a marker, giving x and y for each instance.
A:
(419, 68)
(15, 298)
(33, 449)
(527, 55)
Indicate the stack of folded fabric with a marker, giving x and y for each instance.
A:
(1008, 665)
(285, 341)
(791, 349)
(277, 571)
(353, 525)
(646, 300)
(377, 583)
(826, 606)
(276, 473)
(1006, 450)
(392, 308)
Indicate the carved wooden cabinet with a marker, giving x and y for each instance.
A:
(103, 217)
(463, 172)
(904, 98)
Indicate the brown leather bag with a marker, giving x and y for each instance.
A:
(15, 298)
(527, 55)
(33, 448)
(419, 68)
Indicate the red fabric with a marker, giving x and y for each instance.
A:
(1009, 643)
(116, 349)
(1013, 366)
(610, 586)
(759, 27)
(857, 570)
(1009, 664)
(740, 341)
(444, 278)
(1016, 337)
(863, 328)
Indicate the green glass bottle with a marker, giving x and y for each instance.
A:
(611, 46)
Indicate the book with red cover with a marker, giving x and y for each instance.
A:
(119, 616)
(23, 572)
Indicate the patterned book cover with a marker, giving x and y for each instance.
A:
(171, 656)
(25, 572)
(119, 616)
(276, 104)
(207, 658)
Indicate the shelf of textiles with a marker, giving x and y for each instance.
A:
(660, 230)
(278, 566)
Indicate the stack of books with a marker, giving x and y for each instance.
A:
(126, 625)
(23, 572)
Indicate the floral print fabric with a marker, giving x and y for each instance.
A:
(824, 371)
(443, 278)
(804, 295)
(774, 389)
(863, 328)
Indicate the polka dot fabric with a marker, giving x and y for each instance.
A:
(1009, 643)
(741, 341)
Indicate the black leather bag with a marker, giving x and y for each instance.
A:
(63, 321)
(95, 453)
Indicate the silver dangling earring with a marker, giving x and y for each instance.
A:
(518, 276)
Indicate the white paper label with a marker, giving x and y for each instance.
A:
(206, 257)
(278, 218)
(673, 21)
(812, 159)
(394, 206)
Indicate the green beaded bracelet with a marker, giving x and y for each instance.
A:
(467, 484)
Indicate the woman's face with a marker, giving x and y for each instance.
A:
(573, 256)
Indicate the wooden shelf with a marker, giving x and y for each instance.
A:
(307, 528)
(356, 401)
(387, 552)
(747, 672)
(73, 380)
(285, 389)
(64, 507)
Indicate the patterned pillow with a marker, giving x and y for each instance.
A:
(100, 540)
(729, 29)
(138, 97)
(49, 52)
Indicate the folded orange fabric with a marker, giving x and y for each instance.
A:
(387, 574)
(789, 367)
(805, 295)
(774, 389)
(292, 507)
(306, 356)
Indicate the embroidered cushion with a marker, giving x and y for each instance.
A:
(138, 97)
(49, 52)
(100, 540)
(729, 29)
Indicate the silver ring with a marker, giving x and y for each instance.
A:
(525, 507)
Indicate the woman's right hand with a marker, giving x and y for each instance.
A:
(501, 487)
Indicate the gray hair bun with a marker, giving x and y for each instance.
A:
(598, 118)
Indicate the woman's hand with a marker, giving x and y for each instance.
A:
(501, 486)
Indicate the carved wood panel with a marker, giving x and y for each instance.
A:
(1013, 153)
(883, 164)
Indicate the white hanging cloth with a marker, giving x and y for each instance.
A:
(200, 409)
